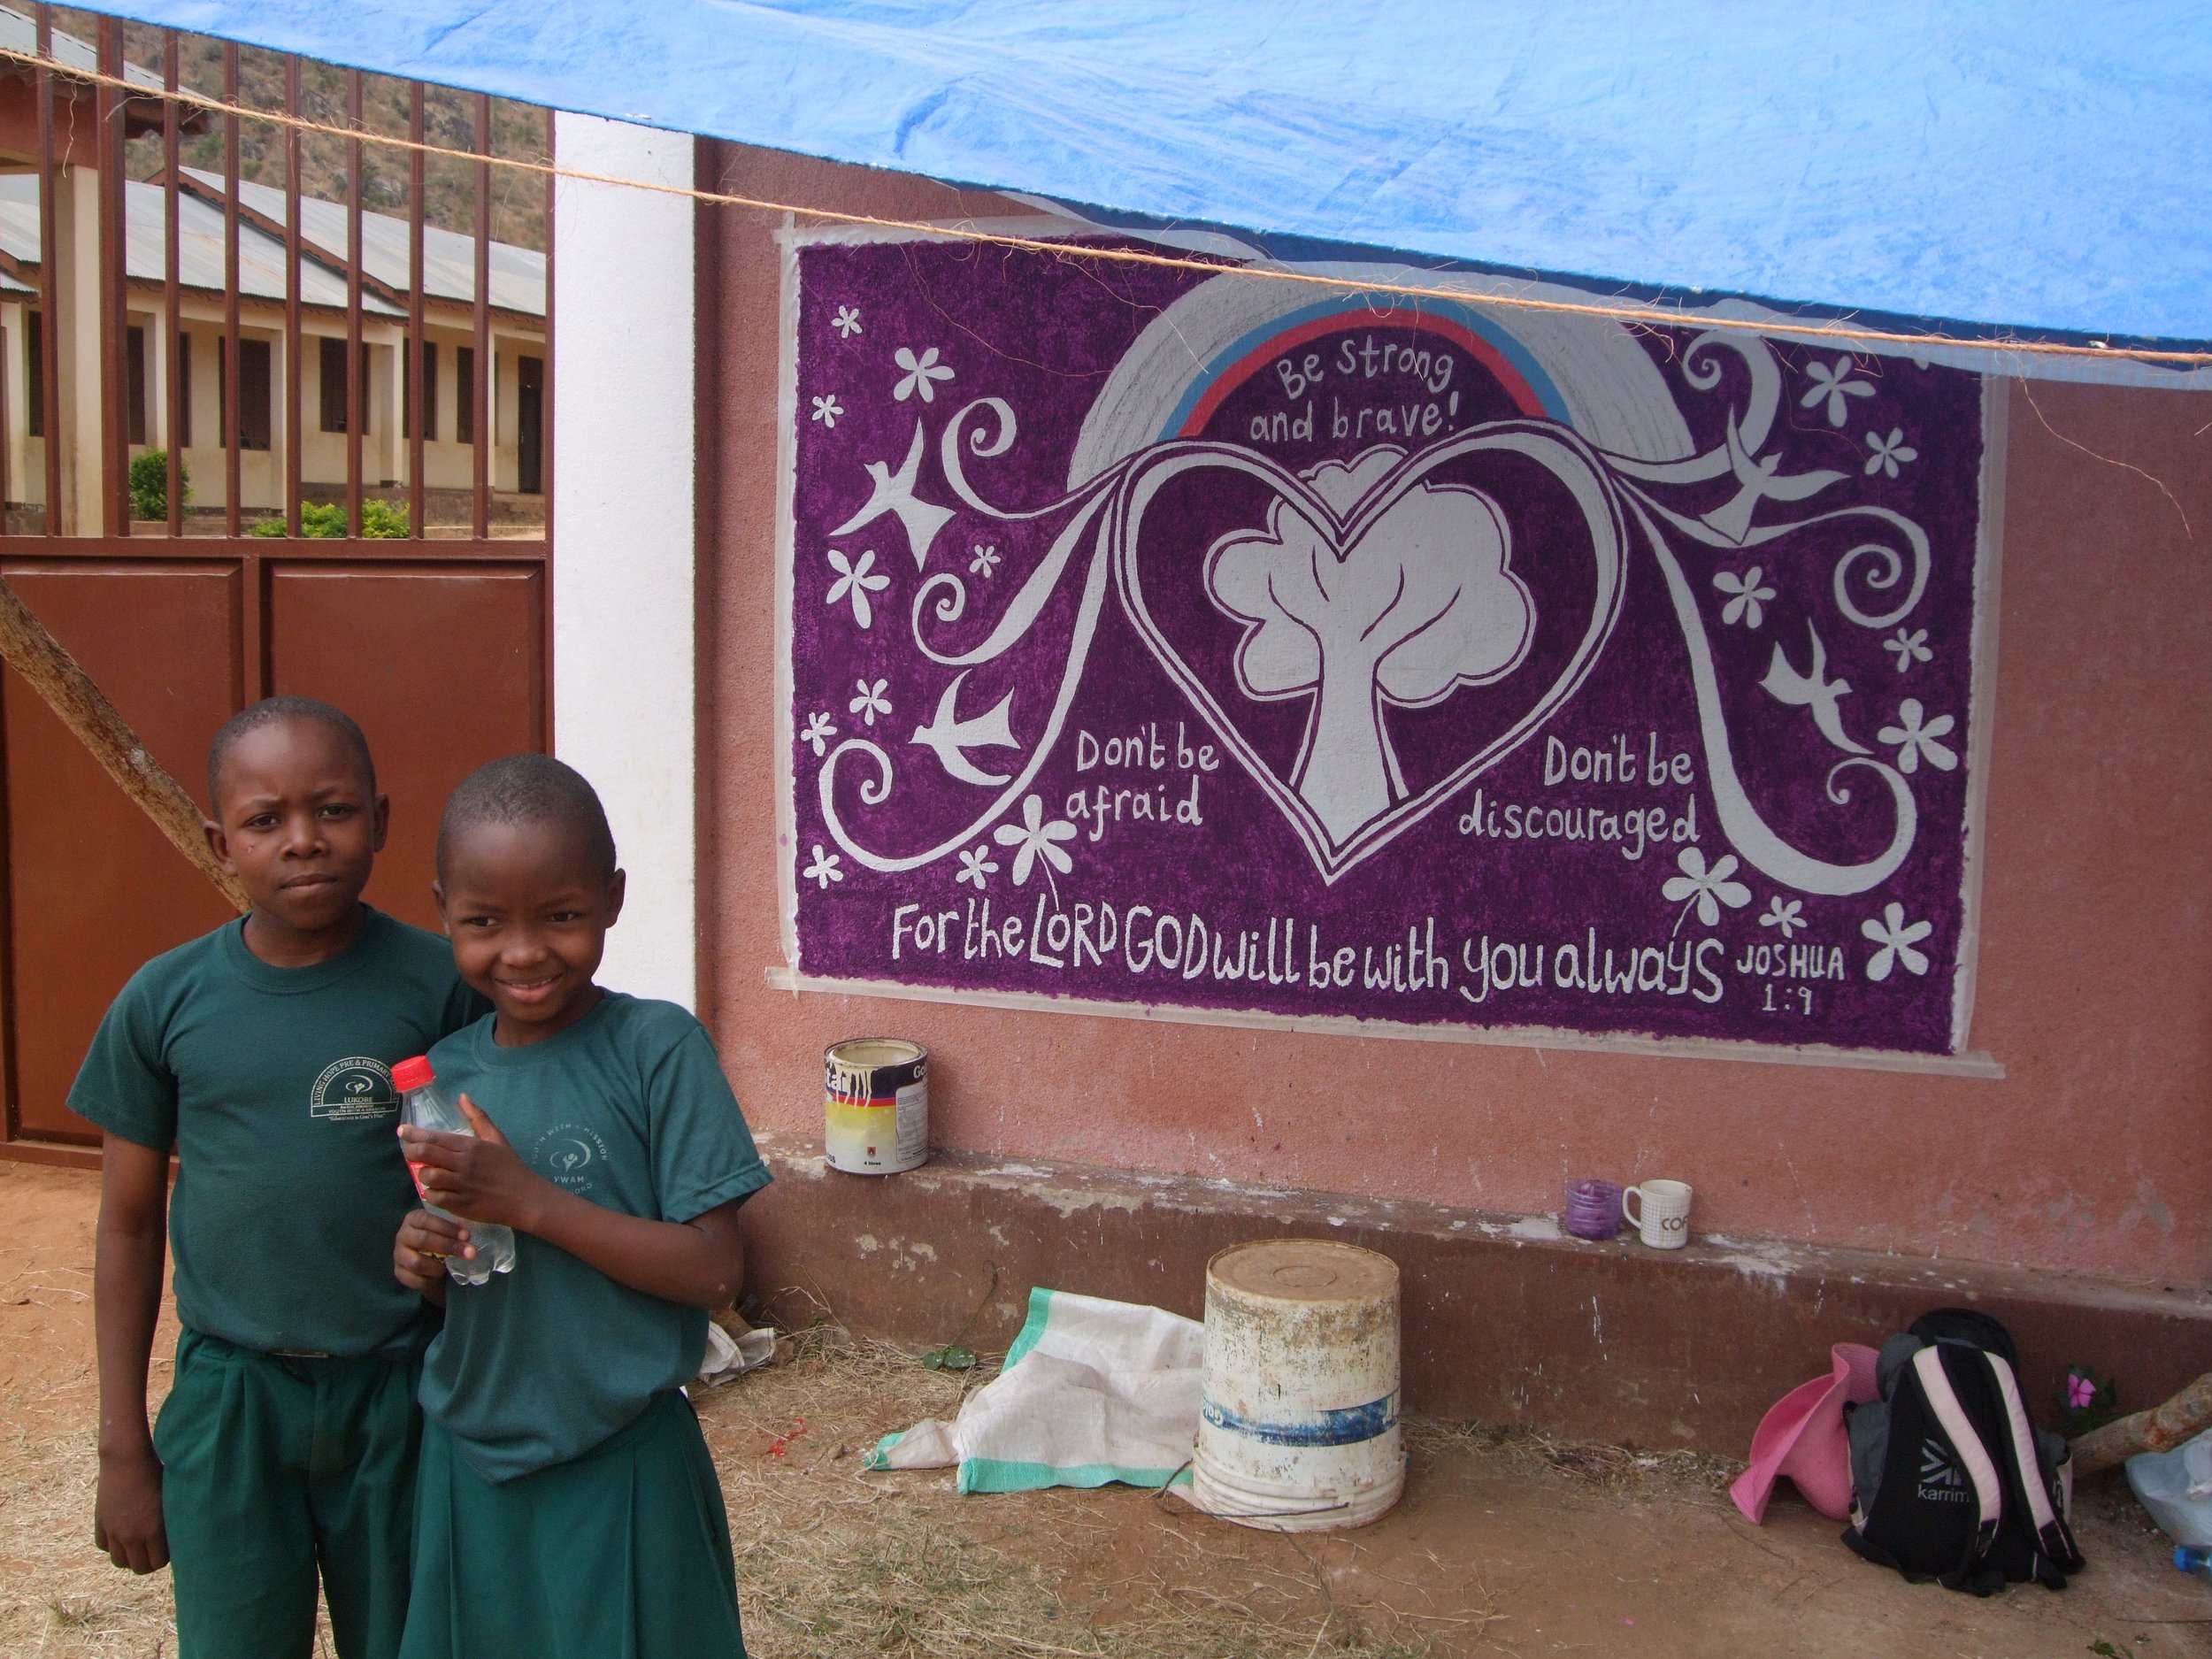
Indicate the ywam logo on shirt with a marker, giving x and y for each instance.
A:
(1941, 1480)
(352, 1088)
(569, 1155)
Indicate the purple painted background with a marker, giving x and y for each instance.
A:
(1147, 834)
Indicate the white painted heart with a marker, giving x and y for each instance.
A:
(1554, 448)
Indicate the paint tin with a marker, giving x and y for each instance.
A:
(876, 1105)
(1298, 1428)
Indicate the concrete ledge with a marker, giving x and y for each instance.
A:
(1506, 1320)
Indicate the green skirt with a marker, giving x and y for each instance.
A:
(622, 1554)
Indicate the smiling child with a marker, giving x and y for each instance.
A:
(568, 1506)
(259, 1054)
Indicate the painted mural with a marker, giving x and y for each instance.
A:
(1217, 643)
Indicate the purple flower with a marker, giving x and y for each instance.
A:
(2080, 1392)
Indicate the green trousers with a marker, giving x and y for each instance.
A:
(277, 1471)
(623, 1553)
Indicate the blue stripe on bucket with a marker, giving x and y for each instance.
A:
(1342, 1426)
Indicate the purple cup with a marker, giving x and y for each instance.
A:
(1593, 1208)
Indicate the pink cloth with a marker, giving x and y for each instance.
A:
(1802, 1436)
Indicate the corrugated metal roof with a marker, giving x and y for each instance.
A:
(518, 274)
(19, 33)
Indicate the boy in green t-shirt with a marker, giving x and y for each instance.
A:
(567, 1504)
(260, 1055)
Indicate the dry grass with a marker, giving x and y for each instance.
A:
(1619, 1470)
(58, 1597)
(836, 1561)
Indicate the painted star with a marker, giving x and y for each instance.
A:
(894, 493)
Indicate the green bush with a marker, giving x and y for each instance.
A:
(326, 521)
(150, 484)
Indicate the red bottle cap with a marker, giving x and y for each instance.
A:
(412, 1074)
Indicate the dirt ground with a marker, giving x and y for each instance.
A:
(1506, 1543)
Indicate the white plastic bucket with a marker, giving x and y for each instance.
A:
(875, 1105)
(1298, 1430)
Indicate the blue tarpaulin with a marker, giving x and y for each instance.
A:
(2038, 165)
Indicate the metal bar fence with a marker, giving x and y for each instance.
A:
(173, 371)
(418, 345)
(356, 415)
(147, 390)
(49, 278)
(234, 380)
(482, 518)
(294, 366)
(107, 149)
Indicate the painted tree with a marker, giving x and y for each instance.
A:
(1420, 603)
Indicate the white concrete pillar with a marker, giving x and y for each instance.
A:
(623, 548)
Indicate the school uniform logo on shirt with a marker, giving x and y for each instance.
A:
(352, 1088)
(569, 1155)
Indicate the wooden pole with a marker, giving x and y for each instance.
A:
(2161, 1429)
(50, 669)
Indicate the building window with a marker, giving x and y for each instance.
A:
(135, 384)
(253, 405)
(184, 391)
(334, 385)
(465, 394)
(429, 393)
(34, 371)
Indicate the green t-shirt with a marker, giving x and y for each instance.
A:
(275, 1088)
(627, 1108)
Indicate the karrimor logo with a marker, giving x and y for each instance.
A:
(1941, 1480)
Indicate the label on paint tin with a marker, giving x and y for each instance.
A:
(913, 1128)
(876, 1106)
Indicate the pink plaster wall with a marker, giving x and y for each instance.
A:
(2093, 1155)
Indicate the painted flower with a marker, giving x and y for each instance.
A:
(1709, 889)
(983, 561)
(827, 410)
(857, 582)
(1897, 942)
(1917, 741)
(1033, 839)
(824, 870)
(1910, 646)
(1749, 604)
(819, 732)
(1787, 914)
(1835, 385)
(870, 701)
(847, 322)
(1889, 453)
(975, 864)
(921, 374)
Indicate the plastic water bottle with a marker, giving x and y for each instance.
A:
(422, 1105)
(2189, 1558)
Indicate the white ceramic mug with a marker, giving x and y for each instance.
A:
(1660, 1212)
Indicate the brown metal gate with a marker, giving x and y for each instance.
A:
(207, 292)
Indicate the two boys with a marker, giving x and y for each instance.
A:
(261, 1055)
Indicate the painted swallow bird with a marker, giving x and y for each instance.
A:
(1756, 483)
(1814, 690)
(950, 737)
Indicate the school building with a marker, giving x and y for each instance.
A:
(271, 368)
(2056, 1173)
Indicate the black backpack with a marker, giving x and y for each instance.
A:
(1948, 1480)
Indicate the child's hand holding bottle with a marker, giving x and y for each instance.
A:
(445, 1151)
